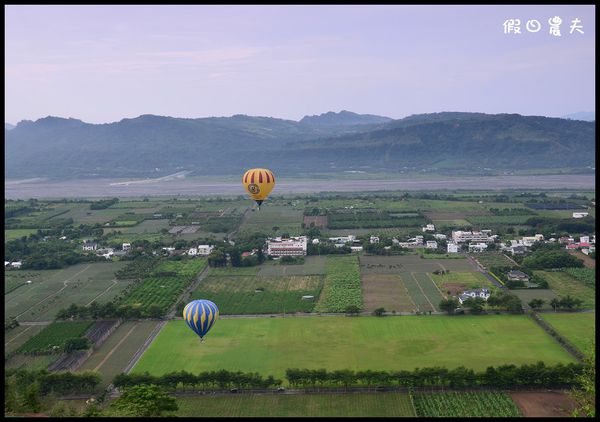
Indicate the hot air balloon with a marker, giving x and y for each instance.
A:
(259, 184)
(200, 316)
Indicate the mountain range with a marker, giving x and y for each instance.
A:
(154, 146)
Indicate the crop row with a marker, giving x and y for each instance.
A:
(342, 284)
(586, 275)
(465, 404)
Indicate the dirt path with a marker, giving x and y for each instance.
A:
(109, 354)
(109, 287)
(55, 293)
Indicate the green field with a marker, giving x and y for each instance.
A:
(342, 285)
(312, 265)
(15, 338)
(17, 234)
(285, 218)
(239, 295)
(304, 405)
(461, 280)
(54, 335)
(526, 295)
(579, 328)
(563, 284)
(271, 345)
(465, 404)
(234, 271)
(52, 290)
(494, 259)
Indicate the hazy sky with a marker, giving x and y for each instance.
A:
(104, 63)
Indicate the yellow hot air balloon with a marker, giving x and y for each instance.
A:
(258, 183)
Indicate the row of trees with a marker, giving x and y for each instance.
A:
(504, 376)
(108, 310)
(478, 305)
(221, 379)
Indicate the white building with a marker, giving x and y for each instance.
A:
(482, 293)
(90, 246)
(16, 264)
(294, 246)
(374, 239)
(477, 247)
(462, 236)
(192, 251)
(205, 250)
(107, 253)
(315, 241)
(451, 248)
(440, 236)
(126, 246)
(580, 214)
(428, 228)
(431, 244)
(584, 239)
(343, 239)
(356, 248)
(63, 238)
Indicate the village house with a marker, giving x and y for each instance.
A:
(477, 247)
(90, 246)
(580, 214)
(126, 246)
(431, 244)
(451, 247)
(374, 239)
(459, 236)
(428, 228)
(440, 236)
(517, 275)
(482, 293)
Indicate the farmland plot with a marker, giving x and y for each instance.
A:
(423, 303)
(564, 284)
(465, 404)
(260, 295)
(312, 265)
(387, 291)
(410, 263)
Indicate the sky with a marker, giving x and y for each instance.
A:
(101, 64)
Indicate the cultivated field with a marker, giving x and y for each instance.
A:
(54, 336)
(271, 345)
(16, 337)
(287, 219)
(111, 358)
(579, 327)
(312, 265)
(543, 404)
(52, 290)
(304, 405)
(455, 404)
(387, 291)
(410, 263)
(563, 284)
(260, 295)
(494, 259)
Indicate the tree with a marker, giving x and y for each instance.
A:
(217, 259)
(449, 305)
(475, 304)
(585, 393)
(352, 310)
(155, 311)
(30, 401)
(379, 312)
(536, 303)
(77, 343)
(145, 401)
(555, 303)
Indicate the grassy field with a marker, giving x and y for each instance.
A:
(17, 234)
(494, 259)
(563, 284)
(234, 271)
(312, 265)
(52, 290)
(386, 291)
(54, 335)
(111, 358)
(342, 286)
(455, 282)
(239, 295)
(304, 405)
(285, 218)
(579, 328)
(271, 345)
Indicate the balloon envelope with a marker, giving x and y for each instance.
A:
(258, 183)
(200, 316)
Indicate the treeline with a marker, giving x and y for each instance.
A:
(544, 258)
(103, 203)
(502, 271)
(206, 380)
(18, 380)
(326, 249)
(101, 311)
(47, 255)
(512, 211)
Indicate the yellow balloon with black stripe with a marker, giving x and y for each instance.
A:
(200, 316)
(258, 183)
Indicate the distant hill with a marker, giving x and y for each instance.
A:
(588, 116)
(153, 146)
(8, 126)
(343, 118)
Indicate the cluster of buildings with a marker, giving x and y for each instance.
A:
(468, 294)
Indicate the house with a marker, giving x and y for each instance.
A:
(451, 247)
(440, 236)
(106, 253)
(205, 249)
(572, 246)
(477, 247)
(294, 246)
(126, 246)
(518, 249)
(529, 240)
(563, 240)
(192, 251)
(459, 236)
(374, 239)
(343, 239)
(315, 241)
(482, 293)
(584, 239)
(580, 214)
(63, 238)
(90, 246)
(6, 264)
(428, 228)
(431, 244)
(356, 248)
(16, 264)
(517, 275)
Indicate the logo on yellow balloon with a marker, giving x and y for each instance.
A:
(254, 189)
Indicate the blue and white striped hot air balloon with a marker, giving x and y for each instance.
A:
(200, 316)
